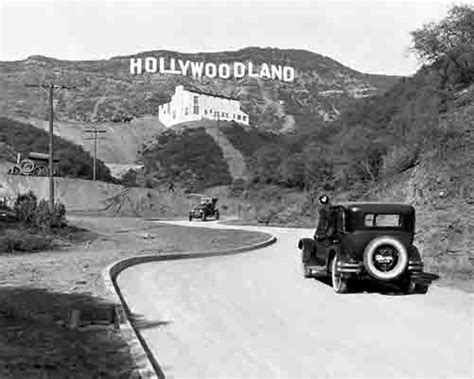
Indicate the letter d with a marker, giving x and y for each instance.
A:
(239, 70)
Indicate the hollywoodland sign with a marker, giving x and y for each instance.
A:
(211, 70)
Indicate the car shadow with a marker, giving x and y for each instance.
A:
(47, 334)
(371, 286)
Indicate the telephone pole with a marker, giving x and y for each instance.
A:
(51, 89)
(95, 137)
(218, 130)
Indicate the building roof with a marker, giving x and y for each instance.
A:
(210, 94)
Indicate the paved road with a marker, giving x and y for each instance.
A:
(254, 315)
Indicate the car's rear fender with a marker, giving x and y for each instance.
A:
(306, 244)
(415, 263)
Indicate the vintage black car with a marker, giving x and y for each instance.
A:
(206, 209)
(368, 241)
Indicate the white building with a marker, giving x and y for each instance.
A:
(186, 105)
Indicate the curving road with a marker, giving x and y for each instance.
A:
(254, 315)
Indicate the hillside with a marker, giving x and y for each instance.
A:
(106, 90)
(25, 138)
(119, 146)
(189, 157)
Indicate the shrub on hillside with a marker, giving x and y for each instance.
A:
(399, 159)
(21, 240)
(46, 219)
(38, 214)
(25, 207)
(191, 159)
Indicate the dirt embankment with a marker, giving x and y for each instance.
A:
(86, 195)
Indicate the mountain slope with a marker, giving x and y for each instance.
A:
(107, 91)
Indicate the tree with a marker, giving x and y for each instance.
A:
(450, 40)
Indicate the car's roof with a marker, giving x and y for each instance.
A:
(377, 207)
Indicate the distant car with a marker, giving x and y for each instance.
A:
(369, 241)
(207, 208)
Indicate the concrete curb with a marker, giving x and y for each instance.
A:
(147, 366)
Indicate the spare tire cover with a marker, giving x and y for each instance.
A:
(385, 258)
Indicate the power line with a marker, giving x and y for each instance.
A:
(95, 132)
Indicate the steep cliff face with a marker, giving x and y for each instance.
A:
(106, 91)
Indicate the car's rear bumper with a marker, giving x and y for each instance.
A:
(357, 269)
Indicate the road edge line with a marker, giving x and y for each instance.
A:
(147, 366)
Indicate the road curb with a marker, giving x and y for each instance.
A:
(147, 366)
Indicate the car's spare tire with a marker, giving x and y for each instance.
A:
(385, 258)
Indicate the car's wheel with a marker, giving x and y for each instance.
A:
(385, 258)
(190, 218)
(204, 217)
(339, 284)
(217, 215)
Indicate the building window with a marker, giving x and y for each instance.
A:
(222, 114)
(244, 118)
(226, 115)
(233, 116)
(205, 111)
(238, 117)
(174, 115)
(168, 108)
(196, 104)
(186, 111)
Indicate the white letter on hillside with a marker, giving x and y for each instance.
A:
(183, 66)
(264, 71)
(162, 65)
(251, 73)
(196, 68)
(277, 72)
(224, 71)
(239, 70)
(135, 66)
(211, 70)
(288, 74)
(151, 64)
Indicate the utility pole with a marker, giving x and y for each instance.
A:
(218, 129)
(95, 137)
(51, 89)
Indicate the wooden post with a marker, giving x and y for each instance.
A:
(51, 148)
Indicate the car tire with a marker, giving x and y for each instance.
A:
(204, 218)
(339, 284)
(400, 266)
(217, 215)
(190, 218)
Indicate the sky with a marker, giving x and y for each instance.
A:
(368, 36)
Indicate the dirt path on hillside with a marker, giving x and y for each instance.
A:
(234, 158)
(254, 315)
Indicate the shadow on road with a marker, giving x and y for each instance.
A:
(370, 286)
(36, 340)
(141, 323)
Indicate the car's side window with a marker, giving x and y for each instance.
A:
(382, 220)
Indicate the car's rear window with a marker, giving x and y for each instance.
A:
(382, 220)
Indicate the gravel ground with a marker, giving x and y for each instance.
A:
(38, 291)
